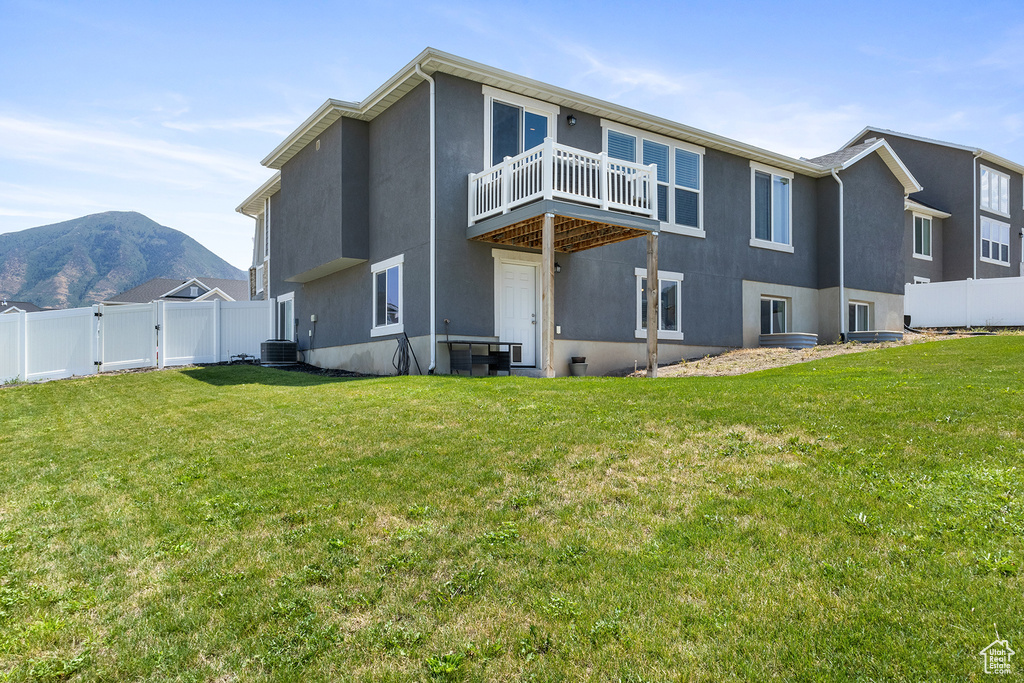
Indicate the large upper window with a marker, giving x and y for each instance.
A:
(515, 124)
(387, 297)
(669, 302)
(995, 191)
(773, 315)
(679, 174)
(771, 208)
(995, 241)
(922, 237)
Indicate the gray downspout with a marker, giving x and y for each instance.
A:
(433, 231)
(842, 262)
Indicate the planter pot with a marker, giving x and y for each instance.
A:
(578, 369)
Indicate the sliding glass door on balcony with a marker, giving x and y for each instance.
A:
(515, 130)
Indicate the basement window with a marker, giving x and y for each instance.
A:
(669, 304)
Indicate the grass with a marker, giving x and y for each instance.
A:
(856, 518)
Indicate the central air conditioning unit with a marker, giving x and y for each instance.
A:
(278, 352)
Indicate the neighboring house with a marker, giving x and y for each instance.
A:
(459, 201)
(192, 289)
(18, 307)
(967, 221)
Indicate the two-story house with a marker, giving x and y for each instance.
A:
(463, 202)
(967, 221)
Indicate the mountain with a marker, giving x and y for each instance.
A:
(85, 260)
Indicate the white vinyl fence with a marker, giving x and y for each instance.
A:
(84, 341)
(993, 302)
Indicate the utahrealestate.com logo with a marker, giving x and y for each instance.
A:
(997, 656)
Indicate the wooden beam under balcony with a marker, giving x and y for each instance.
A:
(576, 227)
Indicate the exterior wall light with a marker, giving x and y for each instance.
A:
(571, 120)
(558, 268)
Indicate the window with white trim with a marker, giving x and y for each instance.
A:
(387, 297)
(680, 172)
(995, 191)
(669, 304)
(514, 124)
(860, 316)
(995, 241)
(774, 313)
(771, 207)
(922, 237)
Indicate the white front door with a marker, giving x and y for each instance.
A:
(517, 308)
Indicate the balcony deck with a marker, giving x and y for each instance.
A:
(595, 200)
(576, 227)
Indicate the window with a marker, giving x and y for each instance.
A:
(995, 191)
(669, 304)
(679, 174)
(514, 124)
(286, 321)
(773, 315)
(387, 297)
(859, 316)
(995, 241)
(922, 237)
(771, 208)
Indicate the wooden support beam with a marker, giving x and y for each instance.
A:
(547, 302)
(653, 296)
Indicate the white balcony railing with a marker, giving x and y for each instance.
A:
(553, 171)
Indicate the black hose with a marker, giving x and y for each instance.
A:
(400, 360)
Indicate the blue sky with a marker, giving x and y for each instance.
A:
(167, 108)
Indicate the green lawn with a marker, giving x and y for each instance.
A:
(858, 518)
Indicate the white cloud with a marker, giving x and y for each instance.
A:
(101, 150)
(280, 126)
(769, 115)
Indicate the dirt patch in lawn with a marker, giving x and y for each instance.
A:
(742, 361)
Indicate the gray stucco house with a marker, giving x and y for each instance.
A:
(460, 201)
(967, 221)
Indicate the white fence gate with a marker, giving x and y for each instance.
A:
(992, 302)
(84, 341)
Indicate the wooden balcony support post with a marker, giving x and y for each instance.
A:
(653, 296)
(547, 300)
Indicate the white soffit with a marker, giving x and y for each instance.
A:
(917, 207)
(253, 204)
